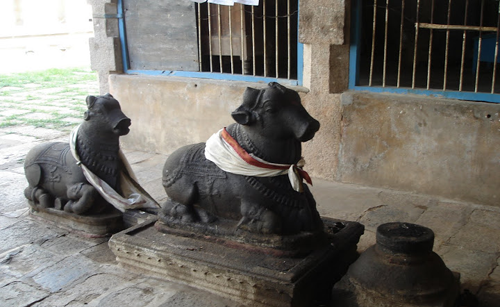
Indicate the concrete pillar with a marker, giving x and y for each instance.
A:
(325, 75)
(105, 46)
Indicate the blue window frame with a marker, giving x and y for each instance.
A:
(251, 76)
(442, 43)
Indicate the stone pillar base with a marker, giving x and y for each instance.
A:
(248, 277)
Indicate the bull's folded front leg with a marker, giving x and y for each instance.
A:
(257, 218)
(82, 197)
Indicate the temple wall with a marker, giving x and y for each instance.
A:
(440, 147)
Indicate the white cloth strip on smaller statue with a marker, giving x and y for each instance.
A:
(220, 152)
(136, 196)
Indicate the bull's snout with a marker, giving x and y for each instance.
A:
(308, 130)
(122, 126)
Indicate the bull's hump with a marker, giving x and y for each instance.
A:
(52, 154)
(192, 163)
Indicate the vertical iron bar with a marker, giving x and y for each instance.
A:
(429, 59)
(417, 26)
(219, 26)
(253, 39)
(210, 37)
(265, 36)
(373, 41)
(493, 79)
(289, 39)
(400, 41)
(199, 37)
(464, 40)
(230, 16)
(242, 38)
(446, 51)
(276, 38)
(385, 42)
(479, 47)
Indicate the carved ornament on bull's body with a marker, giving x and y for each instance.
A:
(86, 176)
(247, 179)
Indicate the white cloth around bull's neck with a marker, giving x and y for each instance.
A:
(226, 158)
(136, 196)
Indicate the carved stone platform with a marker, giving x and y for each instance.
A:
(241, 272)
(101, 225)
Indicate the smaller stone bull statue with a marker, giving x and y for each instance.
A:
(248, 172)
(55, 176)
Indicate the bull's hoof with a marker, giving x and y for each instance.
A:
(59, 204)
(45, 200)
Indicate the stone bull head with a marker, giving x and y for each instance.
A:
(244, 174)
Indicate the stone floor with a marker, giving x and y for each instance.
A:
(42, 265)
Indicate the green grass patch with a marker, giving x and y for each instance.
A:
(54, 77)
(26, 91)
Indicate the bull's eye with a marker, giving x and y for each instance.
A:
(271, 110)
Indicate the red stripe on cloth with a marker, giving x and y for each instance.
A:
(305, 175)
(244, 155)
(252, 161)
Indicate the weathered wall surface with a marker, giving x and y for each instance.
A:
(433, 146)
(168, 112)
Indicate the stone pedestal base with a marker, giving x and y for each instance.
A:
(233, 271)
(101, 225)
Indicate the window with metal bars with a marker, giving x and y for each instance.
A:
(249, 40)
(446, 48)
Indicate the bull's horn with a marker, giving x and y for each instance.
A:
(90, 101)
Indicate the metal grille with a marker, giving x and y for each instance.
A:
(448, 45)
(249, 40)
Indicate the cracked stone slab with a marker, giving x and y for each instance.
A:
(26, 231)
(27, 260)
(445, 219)
(197, 298)
(21, 294)
(6, 221)
(474, 266)
(65, 272)
(140, 294)
(486, 218)
(87, 292)
(70, 244)
(337, 201)
(403, 212)
(100, 254)
(474, 236)
(12, 187)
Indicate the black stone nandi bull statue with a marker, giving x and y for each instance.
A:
(65, 176)
(249, 172)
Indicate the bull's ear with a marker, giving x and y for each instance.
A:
(90, 101)
(242, 116)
